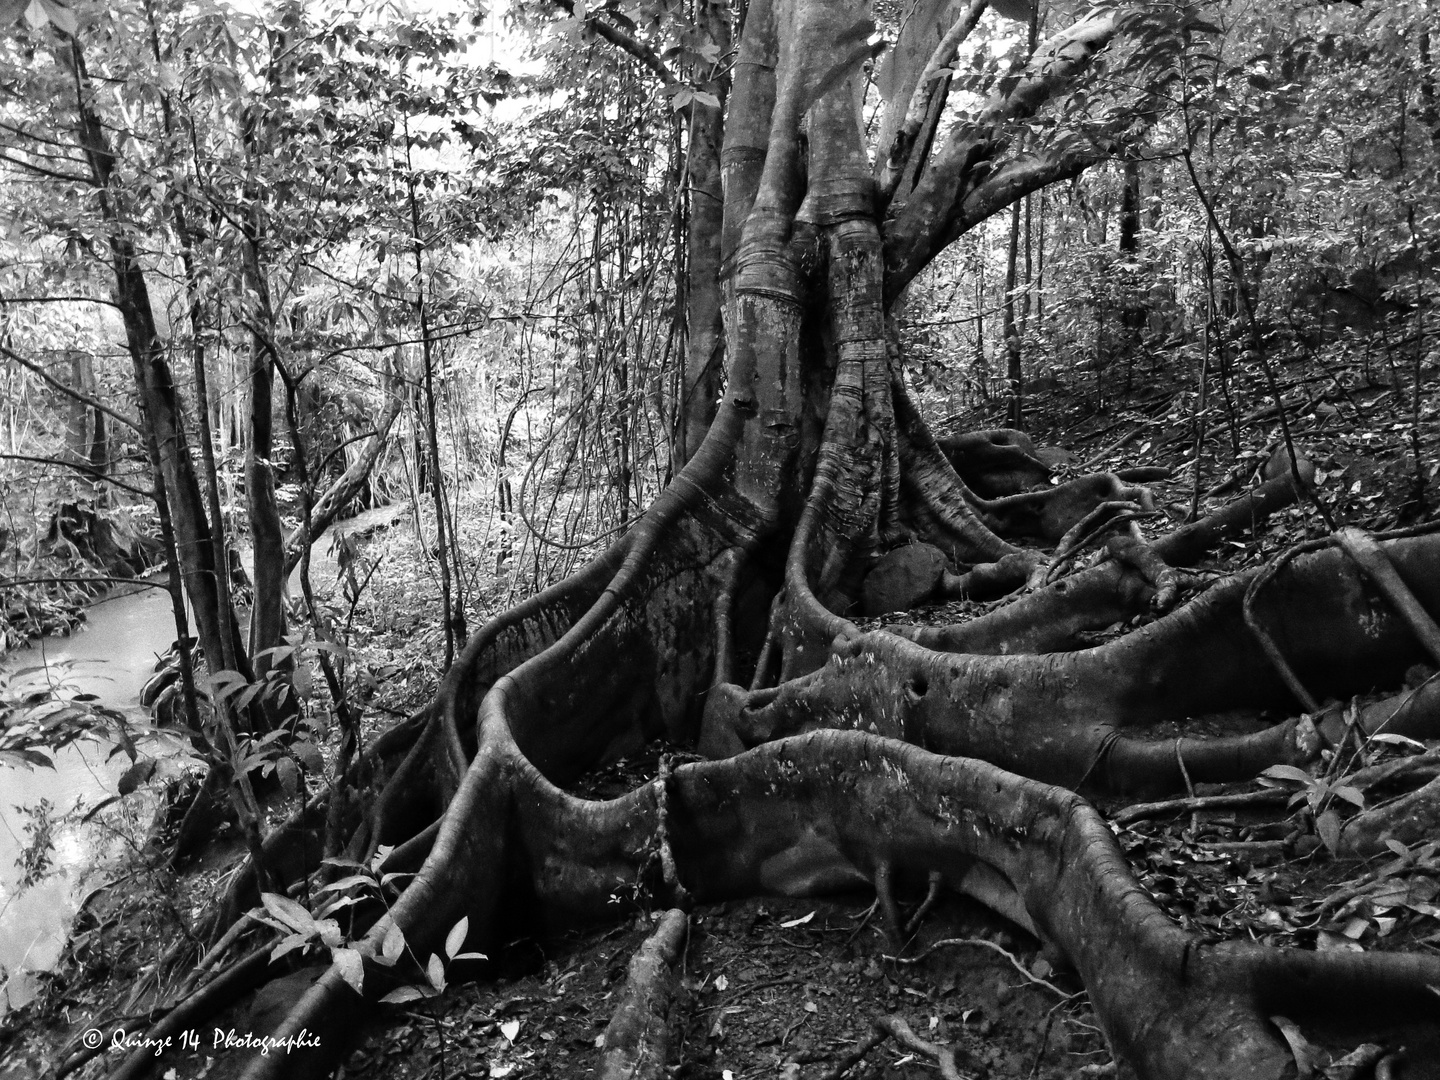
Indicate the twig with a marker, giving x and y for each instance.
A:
(1142, 811)
(1189, 786)
(982, 943)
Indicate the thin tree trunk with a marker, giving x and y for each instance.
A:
(455, 629)
(153, 377)
(1014, 372)
(195, 312)
(705, 198)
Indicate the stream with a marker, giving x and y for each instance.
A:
(112, 656)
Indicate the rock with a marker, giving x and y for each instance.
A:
(902, 579)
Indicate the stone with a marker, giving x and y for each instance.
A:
(902, 579)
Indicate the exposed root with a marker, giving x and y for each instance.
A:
(637, 1040)
(995, 463)
(818, 812)
(1060, 717)
(1410, 819)
(877, 1036)
(1371, 558)
(1050, 619)
(1413, 713)
(1052, 513)
(933, 890)
(946, 1058)
(890, 918)
(1167, 582)
(662, 816)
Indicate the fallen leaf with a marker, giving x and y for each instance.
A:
(797, 922)
(510, 1029)
(722, 983)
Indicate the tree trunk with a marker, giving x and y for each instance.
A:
(705, 345)
(815, 466)
(159, 398)
(1014, 373)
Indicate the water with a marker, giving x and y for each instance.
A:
(112, 657)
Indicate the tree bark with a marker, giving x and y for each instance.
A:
(163, 411)
(816, 464)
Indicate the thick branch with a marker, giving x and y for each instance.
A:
(920, 229)
(329, 505)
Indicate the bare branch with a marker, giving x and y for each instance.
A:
(897, 154)
(926, 223)
(636, 48)
(87, 470)
(94, 403)
(1013, 180)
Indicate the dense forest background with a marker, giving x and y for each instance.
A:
(481, 277)
(470, 227)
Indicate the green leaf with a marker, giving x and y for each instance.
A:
(289, 774)
(289, 944)
(401, 995)
(346, 883)
(1327, 825)
(393, 945)
(351, 967)
(329, 931)
(1288, 772)
(288, 912)
(435, 972)
(1350, 795)
(456, 938)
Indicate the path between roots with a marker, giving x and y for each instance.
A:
(769, 988)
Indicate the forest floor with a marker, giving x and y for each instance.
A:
(788, 988)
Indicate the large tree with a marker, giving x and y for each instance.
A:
(842, 755)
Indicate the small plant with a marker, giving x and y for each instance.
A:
(38, 855)
(1319, 794)
(37, 721)
(303, 930)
